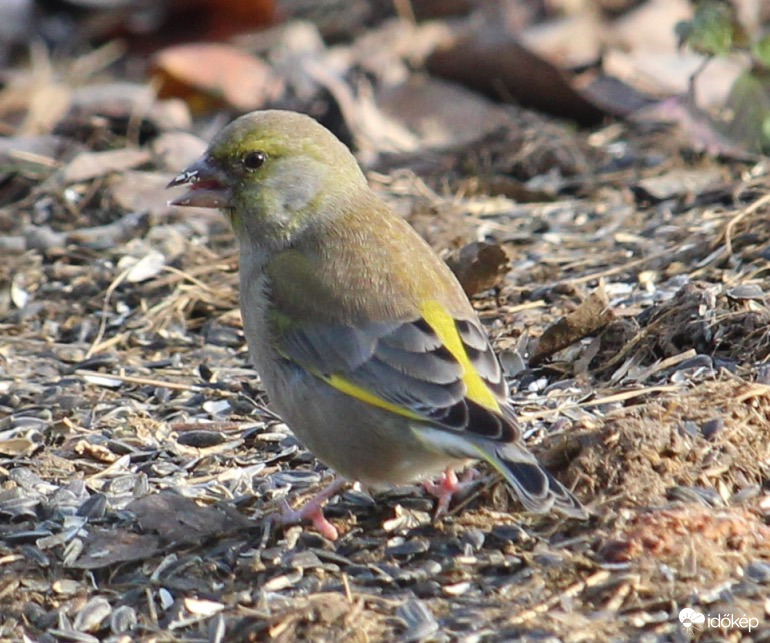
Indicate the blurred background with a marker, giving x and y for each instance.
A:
(397, 75)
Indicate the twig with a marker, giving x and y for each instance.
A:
(144, 381)
(108, 343)
(405, 10)
(473, 495)
(618, 269)
(187, 276)
(221, 265)
(754, 390)
(570, 592)
(609, 399)
(103, 319)
(32, 158)
(97, 237)
(629, 395)
(528, 305)
(666, 363)
(732, 223)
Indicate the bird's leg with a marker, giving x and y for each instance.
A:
(446, 487)
(443, 490)
(312, 511)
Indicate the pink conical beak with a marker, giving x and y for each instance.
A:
(207, 186)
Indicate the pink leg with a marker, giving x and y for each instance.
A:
(443, 490)
(312, 511)
(446, 487)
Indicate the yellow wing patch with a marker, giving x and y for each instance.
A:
(361, 394)
(444, 326)
(344, 386)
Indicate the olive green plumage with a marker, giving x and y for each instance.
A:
(364, 340)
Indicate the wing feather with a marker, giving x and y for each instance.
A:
(407, 365)
(482, 356)
(436, 366)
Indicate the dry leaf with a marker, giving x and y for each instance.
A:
(493, 62)
(142, 269)
(591, 315)
(17, 446)
(178, 519)
(208, 74)
(90, 165)
(107, 548)
(572, 42)
(442, 114)
(479, 266)
(98, 452)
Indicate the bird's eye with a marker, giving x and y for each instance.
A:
(254, 160)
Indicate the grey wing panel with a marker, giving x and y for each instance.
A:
(406, 364)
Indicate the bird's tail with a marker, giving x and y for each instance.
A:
(537, 489)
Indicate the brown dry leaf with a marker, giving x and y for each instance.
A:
(440, 113)
(141, 25)
(17, 446)
(178, 519)
(209, 74)
(650, 26)
(479, 266)
(91, 165)
(644, 52)
(105, 548)
(176, 150)
(493, 62)
(681, 182)
(571, 43)
(98, 452)
(141, 192)
(669, 73)
(222, 18)
(693, 127)
(591, 315)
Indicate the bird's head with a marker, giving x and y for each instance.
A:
(273, 173)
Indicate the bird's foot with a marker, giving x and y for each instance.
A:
(312, 511)
(446, 487)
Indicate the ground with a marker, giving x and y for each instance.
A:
(624, 282)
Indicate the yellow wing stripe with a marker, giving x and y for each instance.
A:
(344, 386)
(444, 326)
(348, 388)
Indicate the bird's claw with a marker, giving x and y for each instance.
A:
(312, 511)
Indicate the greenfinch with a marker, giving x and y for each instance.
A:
(364, 340)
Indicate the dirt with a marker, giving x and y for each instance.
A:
(140, 462)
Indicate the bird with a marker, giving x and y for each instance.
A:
(365, 342)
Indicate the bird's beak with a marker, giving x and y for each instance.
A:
(208, 186)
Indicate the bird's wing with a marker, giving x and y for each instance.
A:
(434, 368)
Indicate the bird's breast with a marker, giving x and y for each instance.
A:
(255, 304)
